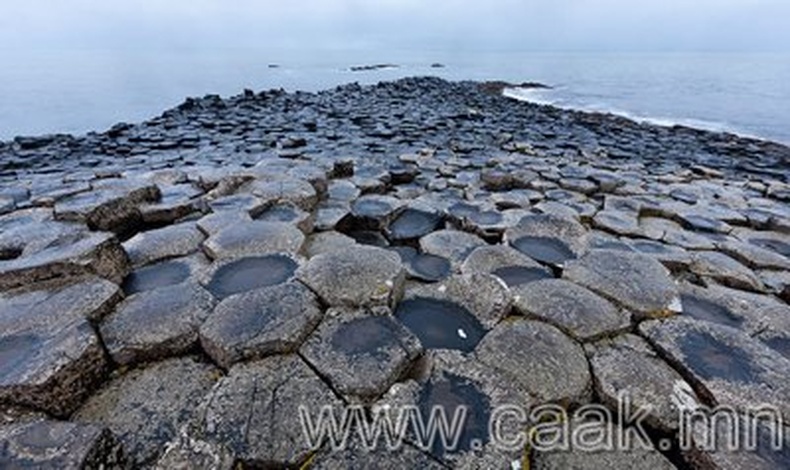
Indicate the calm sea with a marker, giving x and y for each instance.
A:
(79, 91)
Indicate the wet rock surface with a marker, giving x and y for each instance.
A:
(433, 216)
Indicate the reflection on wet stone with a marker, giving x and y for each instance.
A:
(251, 273)
(519, 275)
(703, 309)
(714, 359)
(413, 223)
(168, 273)
(440, 324)
(454, 393)
(543, 249)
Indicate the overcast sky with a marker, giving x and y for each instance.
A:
(631, 25)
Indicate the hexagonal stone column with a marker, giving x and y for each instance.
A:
(361, 353)
(634, 281)
(156, 324)
(51, 357)
(355, 277)
(253, 414)
(146, 408)
(551, 366)
(49, 444)
(572, 308)
(261, 322)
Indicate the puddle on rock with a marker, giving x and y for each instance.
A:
(251, 273)
(167, 273)
(413, 223)
(278, 214)
(440, 324)
(703, 309)
(450, 392)
(369, 335)
(713, 359)
(545, 250)
(429, 268)
(779, 344)
(515, 276)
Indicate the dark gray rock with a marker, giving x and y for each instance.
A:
(453, 245)
(628, 366)
(261, 322)
(355, 277)
(509, 264)
(575, 310)
(728, 367)
(254, 239)
(51, 357)
(548, 364)
(362, 353)
(549, 239)
(45, 444)
(156, 324)
(216, 222)
(97, 254)
(294, 191)
(169, 242)
(634, 281)
(147, 407)
(726, 270)
(113, 209)
(253, 414)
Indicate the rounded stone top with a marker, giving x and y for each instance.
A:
(355, 276)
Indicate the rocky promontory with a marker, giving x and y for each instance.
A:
(173, 291)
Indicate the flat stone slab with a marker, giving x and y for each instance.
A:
(254, 239)
(725, 270)
(362, 353)
(730, 367)
(165, 273)
(596, 455)
(454, 380)
(575, 310)
(546, 362)
(355, 277)
(451, 244)
(238, 275)
(290, 214)
(156, 324)
(253, 414)
(508, 264)
(259, 323)
(412, 224)
(110, 209)
(326, 242)
(628, 365)
(50, 356)
(294, 191)
(97, 254)
(169, 242)
(238, 203)
(424, 267)
(634, 281)
(46, 444)
(485, 296)
(214, 223)
(548, 238)
(147, 407)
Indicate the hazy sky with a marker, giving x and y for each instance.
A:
(741, 25)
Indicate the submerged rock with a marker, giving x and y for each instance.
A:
(234, 276)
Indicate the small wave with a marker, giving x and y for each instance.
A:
(544, 97)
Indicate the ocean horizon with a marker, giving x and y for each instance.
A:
(77, 91)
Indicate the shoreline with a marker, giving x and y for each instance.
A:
(241, 263)
(502, 86)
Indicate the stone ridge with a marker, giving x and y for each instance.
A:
(172, 291)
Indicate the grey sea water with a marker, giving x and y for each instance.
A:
(82, 90)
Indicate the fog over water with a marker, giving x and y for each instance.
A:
(80, 65)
